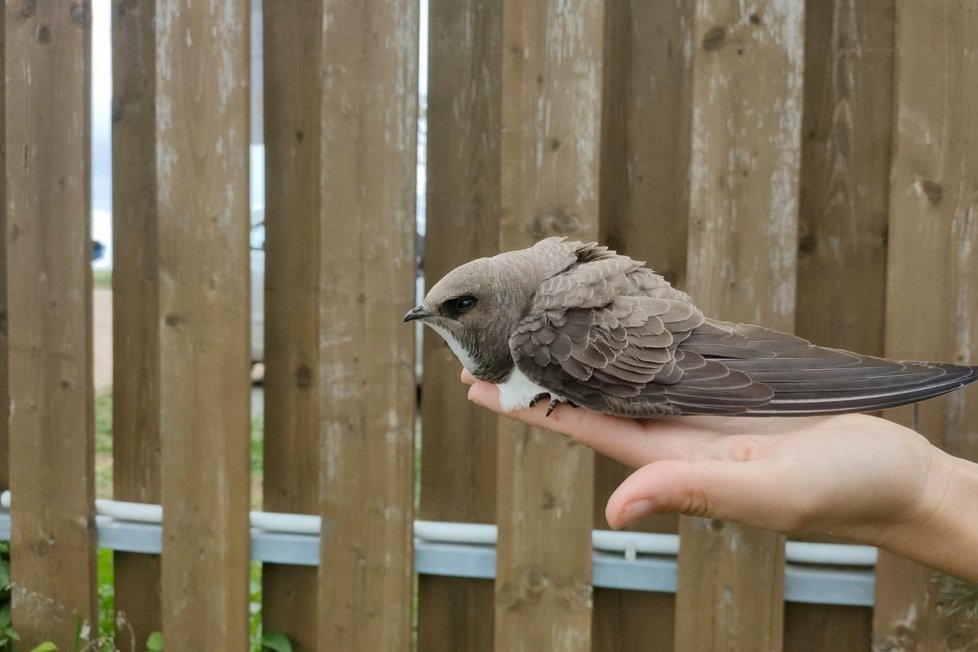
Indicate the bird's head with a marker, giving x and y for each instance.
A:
(475, 308)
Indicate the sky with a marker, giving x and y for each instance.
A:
(102, 125)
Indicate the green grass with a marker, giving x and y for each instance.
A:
(102, 278)
(259, 641)
(957, 597)
(103, 445)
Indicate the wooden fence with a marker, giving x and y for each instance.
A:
(809, 166)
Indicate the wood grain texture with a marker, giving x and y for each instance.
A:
(746, 154)
(292, 90)
(552, 82)
(202, 188)
(644, 192)
(845, 174)
(634, 620)
(932, 301)
(823, 627)
(136, 305)
(458, 455)
(366, 355)
(4, 396)
(843, 207)
(48, 262)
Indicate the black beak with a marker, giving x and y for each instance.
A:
(416, 313)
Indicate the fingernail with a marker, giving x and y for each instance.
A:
(636, 509)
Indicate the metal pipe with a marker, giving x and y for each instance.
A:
(630, 544)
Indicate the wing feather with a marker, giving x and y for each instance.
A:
(613, 336)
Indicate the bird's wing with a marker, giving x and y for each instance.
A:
(606, 334)
(808, 379)
(610, 335)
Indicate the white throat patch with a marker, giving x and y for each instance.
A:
(515, 393)
(463, 356)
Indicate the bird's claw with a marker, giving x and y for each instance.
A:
(539, 397)
(553, 406)
(554, 402)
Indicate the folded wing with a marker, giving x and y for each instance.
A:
(610, 335)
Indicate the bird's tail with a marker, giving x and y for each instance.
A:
(812, 380)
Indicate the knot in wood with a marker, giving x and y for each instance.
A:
(715, 39)
(932, 190)
(557, 222)
(79, 14)
(303, 376)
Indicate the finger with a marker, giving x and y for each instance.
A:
(629, 441)
(756, 493)
(467, 378)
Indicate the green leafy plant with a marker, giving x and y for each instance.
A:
(276, 642)
(8, 635)
(47, 646)
(957, 597)
(154, 642)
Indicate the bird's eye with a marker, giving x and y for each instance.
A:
(465, 304)
(459, 305)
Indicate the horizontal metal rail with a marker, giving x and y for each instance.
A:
(621, 560)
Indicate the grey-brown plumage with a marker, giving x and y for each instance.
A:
(598, 329)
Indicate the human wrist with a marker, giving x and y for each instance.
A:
(941, 531)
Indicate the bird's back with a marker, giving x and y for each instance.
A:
(609, 334)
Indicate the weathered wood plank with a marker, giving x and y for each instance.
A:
(845, 173)
(551, 118)
(136, 305)
(646, 133)
(828, 628)
(644, 203)
(747, 101)
(843, 220)
(292, 91)
(932, 302)
(47, 96)
(4, 396)
(458, 456)
(366, 366)
(202, 188)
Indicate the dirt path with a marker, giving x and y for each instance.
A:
(102, 323)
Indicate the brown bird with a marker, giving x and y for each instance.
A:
(579, 323)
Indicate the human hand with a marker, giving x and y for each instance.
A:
(853, 476)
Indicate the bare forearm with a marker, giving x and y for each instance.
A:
(947, 538)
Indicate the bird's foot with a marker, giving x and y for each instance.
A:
(539, 397)
(554, 402)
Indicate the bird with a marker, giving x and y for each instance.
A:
(577, 323)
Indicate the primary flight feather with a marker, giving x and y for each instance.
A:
(579, 323)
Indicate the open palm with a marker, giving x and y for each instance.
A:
(852, 476)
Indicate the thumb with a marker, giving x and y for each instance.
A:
(748, 492)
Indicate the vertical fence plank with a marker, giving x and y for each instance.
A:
(136, 308)
(644, 203)
(842, 224)
(551, 115)
(4, 396)
(845, 172)
(747, 96)
(366, 366)
(932, 303)
(458, 479)
(49, 299)
(202, 181)
(292, 40)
